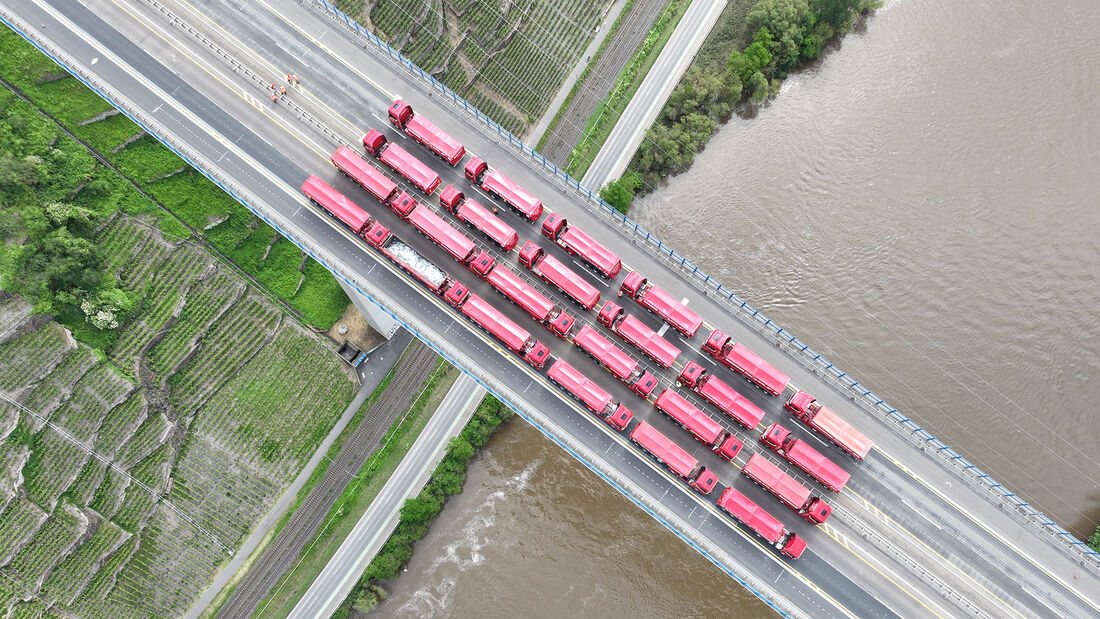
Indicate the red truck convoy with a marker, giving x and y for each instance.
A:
(473, 214)
(830, 425)
(443, 234)
(761, 522)
(424, 131)
(590, 394)
(789, 492)
(718, 393)
(507, 283)
(517, 339)
(805, 457)
(555, 273)
(401, 161)
(680, 462)
(656, 300)
(740, 359)
(497, 184)
(698, 423)
(638, 334)
(615, 360)
(579, 243)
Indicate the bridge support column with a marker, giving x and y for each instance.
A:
(379, 320)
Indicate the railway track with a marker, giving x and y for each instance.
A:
(277, 558)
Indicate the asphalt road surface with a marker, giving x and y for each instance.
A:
(346, 566)
(658, 84)
(896, 521)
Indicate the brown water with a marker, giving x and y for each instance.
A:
(922, 207)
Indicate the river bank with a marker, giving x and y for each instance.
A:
(419, 512)
(742, 63)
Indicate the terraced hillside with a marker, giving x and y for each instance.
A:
(507, 58)
(127, 478)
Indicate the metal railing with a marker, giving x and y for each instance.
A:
(781, 337)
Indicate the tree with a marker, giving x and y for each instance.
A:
(785, 21)
(460, 449)
(758, 86)
(66, 262)
(620, 193)
(756, 58)
(1094, 539)
(839, 14)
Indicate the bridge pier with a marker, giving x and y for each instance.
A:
(377, 318)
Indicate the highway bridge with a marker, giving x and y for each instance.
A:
(916, 533)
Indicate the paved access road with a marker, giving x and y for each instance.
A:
(658, 84)
(374, 528)
(842, 573)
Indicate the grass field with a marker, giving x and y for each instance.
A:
(138, 457)
(202, 412)
(193, 203)
(508, 59)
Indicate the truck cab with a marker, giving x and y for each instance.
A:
(374, 142)
(705, 481)
(456, 294)
(537, 355)
(481, 264)
(802, 404)
(451, 198)
(691, 374)
(552, 226)
(815, 511)
(729, 448)
(633, 284)
(475, 169)
(376, 234)
(776, 437)
(400, 113)
(561, 324)
(529, 255)
(609, 314)
(715, 343)
(793, 546)
(620, 418)
(645, 384)
(402, 204)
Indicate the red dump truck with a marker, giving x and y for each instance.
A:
(638, 334)
(364, 174)
(555, 273)
(436, 279)
(785, 488)
(443, 234)
(698, 423)
(497, 184)
(718, 393)
(830, 425)
(424, 131)
(401, 161)
(337, 204)
(515, 337)
(740, 359)
(761, 522)
(473, 214)
(590, 394)
(680, 462)
(507, 283)
(805, 457)
(615, 360)
(579, 243)
(656, 300)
